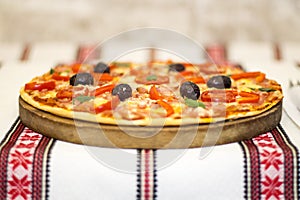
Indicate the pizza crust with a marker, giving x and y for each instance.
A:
(137, 137)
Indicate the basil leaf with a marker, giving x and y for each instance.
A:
(82, 98)
(151, 78)
(51, 71)
(194, 103)
(266, 89)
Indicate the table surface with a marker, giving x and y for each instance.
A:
(79, 172)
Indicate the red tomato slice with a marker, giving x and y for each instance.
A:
(76, 67)
(248, 97)
(260, 78)
(154, 94)
(167, 107)
(40, 86)
(219, 96)
(186, 73)
(245, 75)
(104, 77)
(110, 105)
(58, 77)
(103, 107)
(64, 94)
(103, 89)
(197, 79)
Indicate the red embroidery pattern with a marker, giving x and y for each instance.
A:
(271, 167)
(19, 187)
(22, 164)
(146, 175)
(275, 159)
(291, 164)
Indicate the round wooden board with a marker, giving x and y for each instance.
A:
(137, 137)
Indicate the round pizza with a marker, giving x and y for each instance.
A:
(156, 93)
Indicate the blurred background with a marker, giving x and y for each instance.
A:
(205, 21)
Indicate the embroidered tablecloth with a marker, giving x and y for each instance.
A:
(270, 168)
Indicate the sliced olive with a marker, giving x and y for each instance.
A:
(123, 90)
(219, 82)
(189, 90)
(177, 67)
(101, 68)
(82, 79)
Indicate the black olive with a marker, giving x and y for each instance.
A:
(123, 90)
(101, 68)
(82, 79)
(219, 82)
(177, 67)
(189, 90)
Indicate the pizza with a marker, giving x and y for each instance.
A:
(155, 93)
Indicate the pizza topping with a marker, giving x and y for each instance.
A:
(248, 97)
(103, 89)
(101, 68)
(196, 79)
(153, 79)
(82, 78)
(258, 75)
(167, 107)
(109, 105)
(40, 86)
(266, 89)
(51, 71)
(189, 90)
(194, 103)
(229, 96)
(59, 77)
(86, 106)
(262, 89)
(177, 67)
(130, 112)
(83, 98)
(260, 78)
(75, 67)
(219, 82)
(66, 93)
(105, 77)
(219, 96)
(186, 73)
(141, 90)
(153, 89)
(154, 94)
(123, 90)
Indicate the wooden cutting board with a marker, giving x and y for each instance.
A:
(136, 137)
